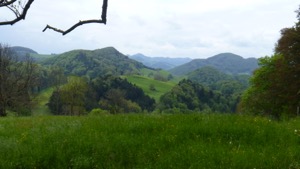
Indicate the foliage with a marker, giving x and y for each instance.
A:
(96, 63)
(17, 77)
(98, 112)
(55, 103)
(274, 87)
(214, 79)
(188, 95)
(230, 86)
(224, 62)
(149, 141)
(70, 99)
(115, 102)
(125, 90)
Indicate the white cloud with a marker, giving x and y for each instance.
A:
(173, 28)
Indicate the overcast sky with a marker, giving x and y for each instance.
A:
(169, 28)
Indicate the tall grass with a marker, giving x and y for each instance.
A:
(149, 141)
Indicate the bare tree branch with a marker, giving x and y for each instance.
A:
(15, 10)
(73, 27)
(6, 3)
(102, 20)
(25, 7)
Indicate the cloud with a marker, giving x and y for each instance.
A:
(173, 28)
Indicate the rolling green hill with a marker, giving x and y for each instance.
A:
(23, 51)
(159, 87)
(224, 62)
(100, 62)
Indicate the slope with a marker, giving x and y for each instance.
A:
(100, 62)
(22, 52)
(224, 62)
(151, 87)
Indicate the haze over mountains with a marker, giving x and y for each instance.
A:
(110, 60)
(160, 62)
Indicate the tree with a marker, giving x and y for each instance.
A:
(55, 103)
(266, 91)
(73, 95)
(190, 96)
(275, 86)
(16, 78)
(20, 8)
(116, 103)
(57, 77)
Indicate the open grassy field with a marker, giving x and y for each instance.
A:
(149, 141)
(40, 101)
(145, 82)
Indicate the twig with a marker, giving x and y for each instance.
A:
(5, 3)
(18, 17)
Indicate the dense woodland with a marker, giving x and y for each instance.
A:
(85, 81)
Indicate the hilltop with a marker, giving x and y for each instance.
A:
(93, 63)
(225, 62)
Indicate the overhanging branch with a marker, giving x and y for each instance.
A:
(73, 27)
(5, 3)
(19, 15)
(102, 20)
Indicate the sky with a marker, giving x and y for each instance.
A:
(166, 28)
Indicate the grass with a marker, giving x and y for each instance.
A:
(40, 101)
(149, 141)
(145, 82)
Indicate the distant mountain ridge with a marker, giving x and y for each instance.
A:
(224, 62)
(95, 63)
(159, 62)
(23, 51)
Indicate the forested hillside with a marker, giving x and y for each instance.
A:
(95, 63)
(225, 62)
(215, 79)
(84, 80)
(189, 97)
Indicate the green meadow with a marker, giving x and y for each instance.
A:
(145, 82)
(149, 141)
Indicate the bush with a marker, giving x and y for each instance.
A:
(98, 112)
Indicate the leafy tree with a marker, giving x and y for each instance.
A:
(73, 95)
(56, 77)
(190, 96)
(116, 103)
(275, 86)
(17, 77)
(55, 103)
(100, 87)
(265, 95)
